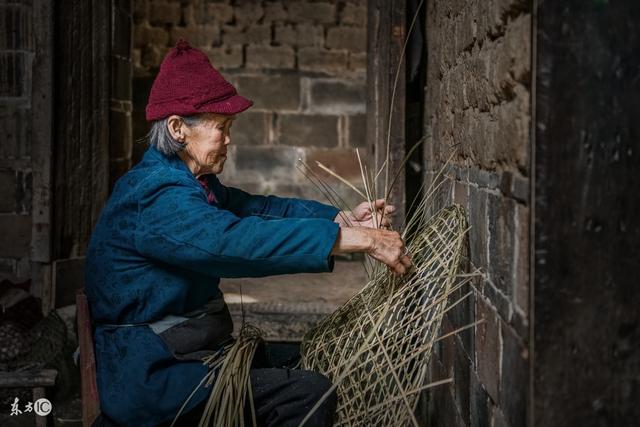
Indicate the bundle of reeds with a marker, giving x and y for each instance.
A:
(229, 374)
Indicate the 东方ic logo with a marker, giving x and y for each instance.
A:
(42, 407)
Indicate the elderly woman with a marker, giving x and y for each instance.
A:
(171, 230)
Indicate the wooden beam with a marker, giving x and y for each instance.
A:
(41, 151)
(386, 31)
(28, 379)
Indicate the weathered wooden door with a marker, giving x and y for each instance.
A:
(396, 62)
(386, 94)
(91, 116)
(587, 228)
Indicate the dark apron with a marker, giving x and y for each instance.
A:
(193, 335)
(196, 334)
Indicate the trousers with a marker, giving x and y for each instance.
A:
(282, 397)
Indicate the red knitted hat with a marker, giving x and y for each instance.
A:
(188, 84)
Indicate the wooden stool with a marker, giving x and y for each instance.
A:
(89, 385)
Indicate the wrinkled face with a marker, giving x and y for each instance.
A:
(206, 143)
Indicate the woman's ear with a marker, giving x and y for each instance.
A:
(176, 128)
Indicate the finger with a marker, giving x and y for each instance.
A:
(359, 210)
(387, 214)
(406, 261)
(381, 214)
(393, 263)
(379, 204)
(389, 209)
(385, 222)
(392, 270)
(400, 268)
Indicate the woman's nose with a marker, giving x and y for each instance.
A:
(227, 139)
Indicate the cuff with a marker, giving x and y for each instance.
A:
(331, 239)
(327, 211)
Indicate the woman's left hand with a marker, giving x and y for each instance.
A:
(362, 215)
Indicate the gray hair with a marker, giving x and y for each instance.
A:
(160, 137)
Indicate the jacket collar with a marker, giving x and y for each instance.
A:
(172, 161)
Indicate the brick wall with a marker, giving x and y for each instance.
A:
(478, 105)
(16, 56)
(303, 63)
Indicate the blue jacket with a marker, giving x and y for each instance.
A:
(160, 248)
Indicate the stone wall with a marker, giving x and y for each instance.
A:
(478, 108)
(16, 57)
(303, 63)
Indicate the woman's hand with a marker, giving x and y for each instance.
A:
(384, 245)
(362, 215)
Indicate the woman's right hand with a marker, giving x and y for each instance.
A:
(384, 245)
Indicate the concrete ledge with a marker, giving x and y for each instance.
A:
(286, 307)
(280, 322)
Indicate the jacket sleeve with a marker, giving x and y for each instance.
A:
(244, 204)
(177, 226)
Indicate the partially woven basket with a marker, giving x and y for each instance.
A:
(376, 347)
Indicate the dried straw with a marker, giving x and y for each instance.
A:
(229, 374)
(375, 348)
(225, 406)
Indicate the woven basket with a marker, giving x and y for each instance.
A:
(376, 346)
